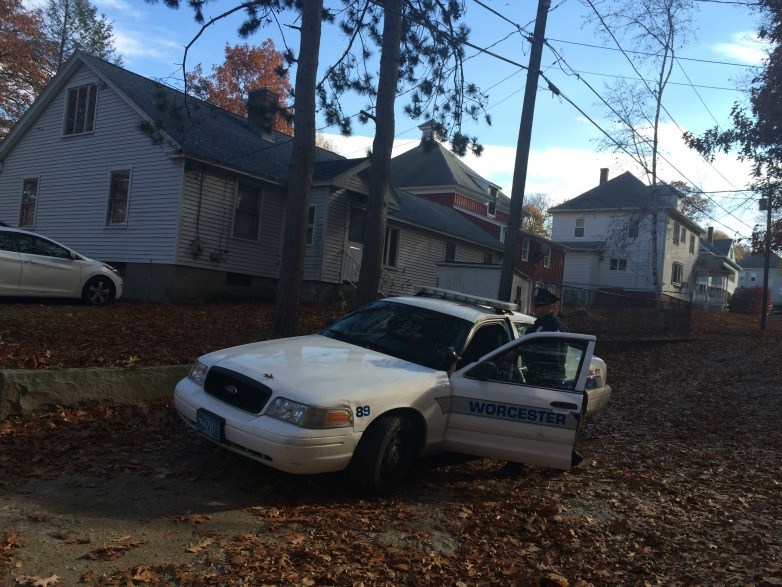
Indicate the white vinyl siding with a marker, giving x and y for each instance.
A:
(209, 222)
(75, 172)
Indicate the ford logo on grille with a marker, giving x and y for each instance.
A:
(231, 390)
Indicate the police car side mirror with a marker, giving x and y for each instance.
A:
(484, 371)
(448, 356)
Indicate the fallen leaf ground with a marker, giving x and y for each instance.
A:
(681, 485)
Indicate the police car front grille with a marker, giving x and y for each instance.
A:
(236, 389)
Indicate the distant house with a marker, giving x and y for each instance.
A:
(608, 233)
(715, 273)
(189, 200)
(751, 274)
(432, 172)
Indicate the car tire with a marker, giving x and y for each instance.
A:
(98, 291)
(384, 455)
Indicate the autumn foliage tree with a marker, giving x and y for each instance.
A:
(539, 220)
(23, 57)
(246, 67)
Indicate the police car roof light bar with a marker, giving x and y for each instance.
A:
(457, 296)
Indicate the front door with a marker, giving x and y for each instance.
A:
(522, 403)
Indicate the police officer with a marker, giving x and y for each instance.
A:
(545, 309)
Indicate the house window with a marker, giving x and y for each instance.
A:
(119, 188)
(547, 261)
(632, 230)
(683, 235)
(450, 252)
(491, 208)
(524, 249)
(311, 226)
(579, 232)
(391, 249)
(692, 244)
(80, 110)
(29, 202)
(753, 277)
(676, 233)
(741, 278)
(247, 215)
(677, 273)
(617, 264)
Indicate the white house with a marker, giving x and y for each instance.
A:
(751, 274)
(608, 232)
(715, 273)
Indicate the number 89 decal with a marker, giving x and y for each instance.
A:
(362, 411)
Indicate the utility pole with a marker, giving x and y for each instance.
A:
(522, 153)
(767, 257)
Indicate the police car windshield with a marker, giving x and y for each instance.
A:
(405, 332)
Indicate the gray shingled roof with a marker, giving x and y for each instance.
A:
(710, 262)
(422, 212)
(758, 261)
(625, 191)
(209, 132)
(431, 164)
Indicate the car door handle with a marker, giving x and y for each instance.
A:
(564, 405)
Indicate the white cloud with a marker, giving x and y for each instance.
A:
(744, 47)
(138, 44)
(118, 6)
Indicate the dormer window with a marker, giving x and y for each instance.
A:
(80, 110)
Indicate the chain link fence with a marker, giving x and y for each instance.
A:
(625, 313)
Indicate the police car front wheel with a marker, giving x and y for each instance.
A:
(384, 455)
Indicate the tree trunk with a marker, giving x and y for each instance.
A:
(377, 204)
(288, 298)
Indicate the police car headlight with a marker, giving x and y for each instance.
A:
(198, 373)
(306, 416)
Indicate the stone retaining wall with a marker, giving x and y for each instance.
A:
(24, 392)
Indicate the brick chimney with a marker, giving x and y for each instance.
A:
(431, 132)
(262, 106)
(710, 234)
(603, 175)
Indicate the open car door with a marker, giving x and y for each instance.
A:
(522, 402)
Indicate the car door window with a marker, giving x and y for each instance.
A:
(35, 245)
(6, 242)
(543, 362)
(483, 341)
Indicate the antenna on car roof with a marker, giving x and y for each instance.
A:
(457, 296)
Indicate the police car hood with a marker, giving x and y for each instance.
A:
(313, 369)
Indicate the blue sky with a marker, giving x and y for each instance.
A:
(564, 160)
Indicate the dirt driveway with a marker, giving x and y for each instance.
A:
(681, 485)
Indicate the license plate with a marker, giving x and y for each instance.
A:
(210, 424)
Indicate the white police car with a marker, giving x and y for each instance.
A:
(400, 378)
